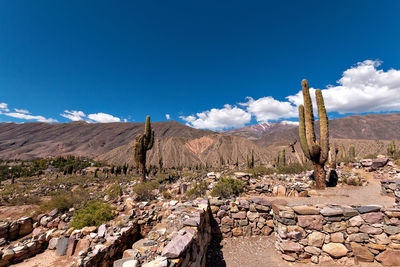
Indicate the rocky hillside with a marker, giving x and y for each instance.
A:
(182, 145)
(365, 127)
(33, 140)
(179, 151)
(256, 131)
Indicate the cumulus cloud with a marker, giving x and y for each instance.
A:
(24, 111)
(4, 107)
(103, 117)
(24, 116)
(167, 116)
(77, 115)
(267, 108)
(218, 119)
(362, 88)
(74, 115)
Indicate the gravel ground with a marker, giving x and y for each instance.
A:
(346, 195)
(254, 252)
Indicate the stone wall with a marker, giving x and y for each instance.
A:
(346, 234)
(10, 231)
(242, 217)
(180, 239)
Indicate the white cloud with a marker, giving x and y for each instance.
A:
(267, 108)
(103, 117)
(77, 115)
(362, 88)
(73, 115)
(218, 119)
(24, 111)
(167, 116)
(290, 122)
(4, 107)
(29, 117)
(22, 114)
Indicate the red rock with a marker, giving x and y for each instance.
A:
(81, 245)
(389, 258)
(310, 221)
(372, 217)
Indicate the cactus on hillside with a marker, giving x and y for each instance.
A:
(315, 151)
(391, 148)
(282, 156)
(352, 152)
(143, 143)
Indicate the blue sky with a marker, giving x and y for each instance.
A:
(195, 60)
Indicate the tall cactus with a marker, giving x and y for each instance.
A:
(283, 157)
(143, 143)
(316, 151)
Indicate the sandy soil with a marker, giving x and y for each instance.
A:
(346, 195)
(256, 251)
(45, 259)
(16, 212)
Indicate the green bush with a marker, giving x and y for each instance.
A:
(144, 190)
(227, 187)
(114, 191)
(198, 189)
(94, 214)
(63, 200)
(294, 168)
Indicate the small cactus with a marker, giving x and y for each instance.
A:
(315, 151)
(391, 148)
(352, 152)
(143, 143)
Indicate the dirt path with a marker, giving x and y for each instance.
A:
(45, 259)
(347, 195)
(256, 251)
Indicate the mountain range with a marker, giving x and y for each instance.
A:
(181, 145)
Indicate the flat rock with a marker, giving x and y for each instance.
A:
(365, 209)
(177, 245)
(305, 210)
(331, 211)
(290, 246)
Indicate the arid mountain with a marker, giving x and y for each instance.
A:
(256, 131)
(366, 127)
(182, 145)
(178, 151)
(32, 140)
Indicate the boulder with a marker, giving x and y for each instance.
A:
(313, 222)
(62, 245)
(379, 163)
(26, 226)
(389, 258)
(177, 245)
(316, 239)
(290, 246)
(372, 217)
(335, 250)
(361, 253)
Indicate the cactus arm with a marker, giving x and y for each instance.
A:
(302, 133)
(308, 114)
(323, 122)
(151, 141)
